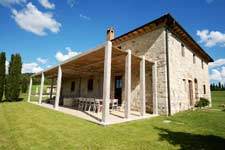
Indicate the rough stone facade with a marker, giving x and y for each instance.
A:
(152, 45)
(184, 71)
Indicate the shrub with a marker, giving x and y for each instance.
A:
(203, 102)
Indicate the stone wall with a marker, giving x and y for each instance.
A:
(81, 86)
(152, 45)
(182, 71)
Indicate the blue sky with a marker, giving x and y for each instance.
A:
(47, 31)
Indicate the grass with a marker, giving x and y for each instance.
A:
(219, 98)
(27, 126)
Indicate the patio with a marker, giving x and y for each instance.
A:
(115, 117)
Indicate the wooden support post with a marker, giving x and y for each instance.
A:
(106, 81)
(30, 89)
(128, 84)
(42, 87)
(58, 88)
(142, 86)
(154, 88)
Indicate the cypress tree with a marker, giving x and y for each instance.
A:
(219, 87)
(13, 81)
(2, 74)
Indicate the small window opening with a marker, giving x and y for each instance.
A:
(182, 50)
(90, 85)
(194, 58)
(72, 86)
(204, 89)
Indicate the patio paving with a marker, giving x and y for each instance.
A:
(115, 117)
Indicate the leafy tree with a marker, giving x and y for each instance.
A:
(2, 74)
(25, 82)
(13, 81)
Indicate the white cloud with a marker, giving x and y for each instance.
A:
(31, 68)
(26, 67)
(42, 60)
(35, 21)
(46, 4)
(7, 67)
(217, 70)
(215, 75)
(71, 3)
(85, 17)
(70, 53)
(8, 3)
(217, 63)
(218, 75)
(211, 38)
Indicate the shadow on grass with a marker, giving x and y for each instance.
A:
(16, 100)
(189, 141)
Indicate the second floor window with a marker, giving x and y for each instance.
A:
(194, 59)
(182, 50)
(202, 64)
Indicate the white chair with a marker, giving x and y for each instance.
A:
(90, 103)
(81, 103)
(98, 105)
(86, 103)
(114, 104)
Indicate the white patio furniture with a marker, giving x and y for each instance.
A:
(81, 103)
(98, 105)
(91, 104)
(114, 104)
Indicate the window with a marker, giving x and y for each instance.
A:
(202, 64)
(196, 88)
(72, 89)
(182, 50)
(90, 85)
(194, 59)
(204, 89)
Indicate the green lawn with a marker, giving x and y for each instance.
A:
(219, 98)
(27, 126)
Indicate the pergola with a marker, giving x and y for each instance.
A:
(105, 59)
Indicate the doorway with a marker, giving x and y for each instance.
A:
(118, 89)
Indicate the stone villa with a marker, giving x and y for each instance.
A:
(157, 68)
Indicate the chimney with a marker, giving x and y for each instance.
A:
(110, 34)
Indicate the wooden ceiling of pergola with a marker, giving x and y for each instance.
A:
(92, 64)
